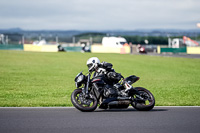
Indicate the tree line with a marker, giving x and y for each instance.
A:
(134, 39)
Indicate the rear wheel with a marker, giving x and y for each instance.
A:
(145, 101)
(81, 102)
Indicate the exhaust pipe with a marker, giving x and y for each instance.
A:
(118, 103)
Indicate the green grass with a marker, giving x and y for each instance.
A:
(47, 79)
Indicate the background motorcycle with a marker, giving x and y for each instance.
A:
(101, 91)
(142, 50)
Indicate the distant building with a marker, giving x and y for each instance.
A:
(186, 41)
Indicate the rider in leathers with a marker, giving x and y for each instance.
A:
(105, 68)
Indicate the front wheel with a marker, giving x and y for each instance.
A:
(83, 103)
(145, 101)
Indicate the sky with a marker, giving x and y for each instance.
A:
(99, 14)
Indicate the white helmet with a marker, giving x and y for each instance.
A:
(92, 63)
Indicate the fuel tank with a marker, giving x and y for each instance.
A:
(100, 80)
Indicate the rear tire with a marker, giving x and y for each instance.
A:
(77, 100)
(149, 102)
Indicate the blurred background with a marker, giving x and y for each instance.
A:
(80, 25)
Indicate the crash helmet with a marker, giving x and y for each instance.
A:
(92, 63)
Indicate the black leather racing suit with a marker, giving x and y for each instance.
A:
(106, 69)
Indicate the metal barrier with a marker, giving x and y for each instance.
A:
(193, 50)
(103, 49)
(173, 50)
(73, 49)
(42, 48)
(11, 47)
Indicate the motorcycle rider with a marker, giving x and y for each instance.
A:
(105, 68)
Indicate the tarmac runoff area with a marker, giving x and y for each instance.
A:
(162, 119)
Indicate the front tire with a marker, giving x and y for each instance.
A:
(81, 103)
(148, 102)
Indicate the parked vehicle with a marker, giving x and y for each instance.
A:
(110, 93)
(151, 48)
(113, 41)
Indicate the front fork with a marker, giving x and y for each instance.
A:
(85, 88)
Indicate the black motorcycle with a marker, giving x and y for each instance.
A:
(110, 93)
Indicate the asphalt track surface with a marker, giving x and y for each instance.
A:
(70, 120)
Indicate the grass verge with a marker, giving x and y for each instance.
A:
(32, 79)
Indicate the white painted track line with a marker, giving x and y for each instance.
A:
(97, 108)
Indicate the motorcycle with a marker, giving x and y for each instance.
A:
(142, 50)
(109, 94)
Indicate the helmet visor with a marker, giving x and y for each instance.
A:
(89, 66)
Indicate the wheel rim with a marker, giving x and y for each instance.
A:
(85, 102)
(147, 98)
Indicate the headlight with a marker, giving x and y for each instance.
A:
(80, 78)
